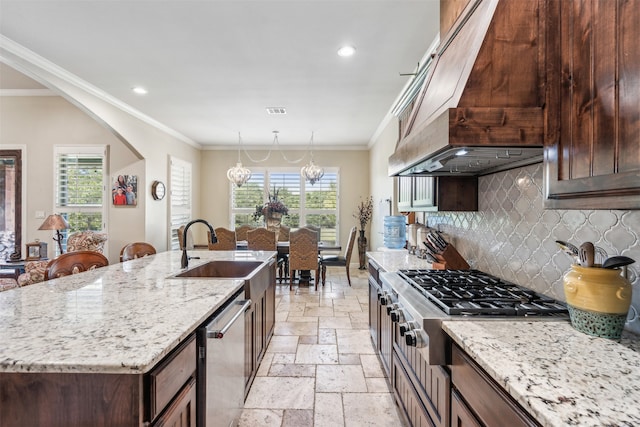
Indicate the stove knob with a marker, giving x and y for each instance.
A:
(397, 316)
(385, 298)
(413, 338)
(404, 328)
(392, 307)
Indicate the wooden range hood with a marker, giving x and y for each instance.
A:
(484, 92)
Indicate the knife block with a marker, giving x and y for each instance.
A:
(450, 259)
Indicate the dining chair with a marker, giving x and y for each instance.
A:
(303, 253)
(339, 260)
(136, 250)
(283, 235)
(314, 228)
(73, 263)
(226, 240)
(261, 239)
(283, 258)
(241, 232)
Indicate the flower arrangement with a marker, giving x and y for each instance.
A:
(273, 205)
(364, 211)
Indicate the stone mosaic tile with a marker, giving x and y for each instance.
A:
(513, 236)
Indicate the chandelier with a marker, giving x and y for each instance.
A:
(238, 174)
(312, 172)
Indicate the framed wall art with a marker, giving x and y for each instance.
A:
(124, 191)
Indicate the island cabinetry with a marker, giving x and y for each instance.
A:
(259, 319)
(592, 150)
(70, 399)
(172, 387)
(477, 400)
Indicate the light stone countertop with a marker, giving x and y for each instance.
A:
(123, 318)
(559, 375)
(394, 260)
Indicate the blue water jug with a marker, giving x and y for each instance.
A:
(395, 231)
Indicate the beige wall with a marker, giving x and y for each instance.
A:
(382, 186)
(353, 166)
(40, 123)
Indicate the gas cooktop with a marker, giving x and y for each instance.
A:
(473, 292)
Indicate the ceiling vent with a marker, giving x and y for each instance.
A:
(276, 110)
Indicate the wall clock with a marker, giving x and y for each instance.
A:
(158, 190)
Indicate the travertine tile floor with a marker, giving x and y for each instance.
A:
(320, 368)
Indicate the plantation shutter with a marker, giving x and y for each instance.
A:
(79, 188)
(179, 197)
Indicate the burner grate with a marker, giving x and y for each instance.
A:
(472, 292)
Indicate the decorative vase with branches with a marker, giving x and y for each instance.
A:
(363, 215)
(273, 210)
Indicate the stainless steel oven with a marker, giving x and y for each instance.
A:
(416, 302)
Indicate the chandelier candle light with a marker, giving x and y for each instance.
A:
(238, 174)
(312, 172)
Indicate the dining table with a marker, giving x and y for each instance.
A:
(283, 249)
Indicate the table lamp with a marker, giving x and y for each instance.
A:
(55, 222)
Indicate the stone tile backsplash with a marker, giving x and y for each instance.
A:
(512, 236)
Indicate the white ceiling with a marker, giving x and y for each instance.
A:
(211, 67)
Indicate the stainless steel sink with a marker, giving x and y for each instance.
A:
(222, 269)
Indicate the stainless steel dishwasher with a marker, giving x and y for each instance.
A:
(221, 357)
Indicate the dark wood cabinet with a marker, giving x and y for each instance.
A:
(480, 400)
(440, 193)
(429, 384)
(165, 395)
(461, 415)
(259, 319)
(592, 143)
(182, 411)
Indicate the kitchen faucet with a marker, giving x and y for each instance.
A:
(185, 257)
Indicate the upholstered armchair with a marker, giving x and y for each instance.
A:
(34, 271)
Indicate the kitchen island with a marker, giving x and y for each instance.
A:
(119, 321)
(556, 374)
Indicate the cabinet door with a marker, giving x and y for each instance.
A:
(592, 147)
(461, 416)
(182, 411)
(374, 314)
(423, 195)
(405, 193)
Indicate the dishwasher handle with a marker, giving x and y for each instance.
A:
(219, 333)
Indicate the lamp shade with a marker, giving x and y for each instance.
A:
(54, 222)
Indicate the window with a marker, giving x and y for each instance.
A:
(308, 204)
(10, 202)
(179, 197)
(80, 193)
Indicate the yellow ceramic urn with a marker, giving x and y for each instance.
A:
(598, 300)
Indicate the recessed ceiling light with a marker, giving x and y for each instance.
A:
(140, 90)
(346, 51)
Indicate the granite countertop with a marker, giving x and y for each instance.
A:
(394, 260)
(123, 318)
(559, 375)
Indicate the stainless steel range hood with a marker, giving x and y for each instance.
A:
(481, 107)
